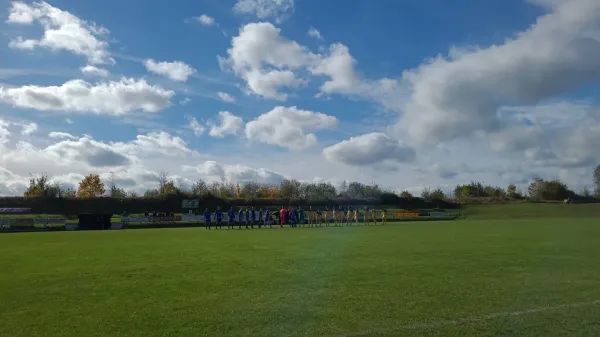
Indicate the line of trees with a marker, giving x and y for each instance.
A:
(92, 186)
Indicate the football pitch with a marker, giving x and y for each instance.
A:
(526, 275)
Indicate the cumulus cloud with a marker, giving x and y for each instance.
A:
(176, 71)
(229, 124)
(94, 71)
(235, 173)
(287, 127)
(196, 127)
(205, 20)
(4, 132)
(369, 149)
(225, 97)
(265, 9)
(270, 63)
(454, 96)
(28, 128)
(61, 135)
(68, 158)
(264, 59)
(313, 32)
(87, 150)
(110, 98)
(62, 31)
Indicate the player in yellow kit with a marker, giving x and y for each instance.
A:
(374, 215)
(356, 216)
(366, 216)
(333, 216)
(348, 216)
(384, 217)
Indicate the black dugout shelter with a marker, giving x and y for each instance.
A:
(94, 221)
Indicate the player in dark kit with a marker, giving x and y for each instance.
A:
(219, 217)
(248, 218)
(252, 217)
(230, 218)
(268, 219)
(240, 217)
(260, 218)
(207, 219)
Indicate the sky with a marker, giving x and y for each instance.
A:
(405, 94)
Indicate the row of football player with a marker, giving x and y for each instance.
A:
(250, 216)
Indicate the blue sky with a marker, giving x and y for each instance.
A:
(404, 93)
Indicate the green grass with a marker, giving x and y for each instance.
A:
(521, 277)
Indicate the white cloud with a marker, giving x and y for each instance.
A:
(185, 101)
(313, 32)
(264, 9)
(235, 173)
(69, 158)
(28, 128)
(265, 59)
(4, 132)
(205, 20)
(229, 124)
(61, 135)
(287, 126)
(225, 97)
(196, 127)
(68, 121)
(94, 71)
(62, 31)
(110, 98)
(369, 149)
(455, 96)
(177, 71)
(269, 63)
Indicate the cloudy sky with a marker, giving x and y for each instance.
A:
(406, 94)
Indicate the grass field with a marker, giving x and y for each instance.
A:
(509, 270)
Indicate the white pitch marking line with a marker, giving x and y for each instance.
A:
(473, 319)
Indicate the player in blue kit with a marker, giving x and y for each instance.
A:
(240, 217)
(248, 217)
(207, 219)
(252, 217)
(293, 217)
(268, 218)
(260, 218)
(219, 217)
(230, 218)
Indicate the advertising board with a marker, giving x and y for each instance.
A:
(405, 214)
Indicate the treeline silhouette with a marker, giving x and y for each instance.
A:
(43, 196)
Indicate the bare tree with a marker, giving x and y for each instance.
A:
(597, 182)
(163, 179)
(113, 190)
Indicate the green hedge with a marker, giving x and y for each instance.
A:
(70, 206)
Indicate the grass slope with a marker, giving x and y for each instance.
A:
(452, 278)
(528, 210)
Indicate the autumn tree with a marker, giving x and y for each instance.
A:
(170, 188)
(37, 186)
(238, 191)
(511, 190)
(250, 190)
(91, 186)
(274, 191)
(199, 188)
(263, 192)
(406, 195)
